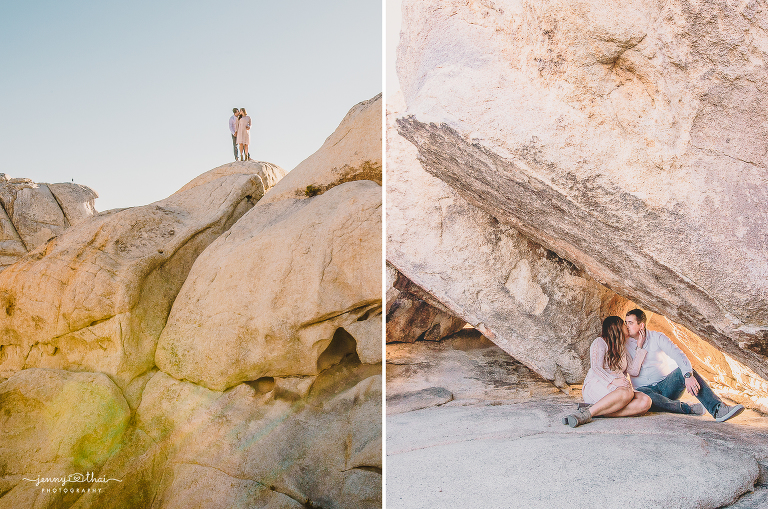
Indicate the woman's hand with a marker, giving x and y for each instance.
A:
(621, 382)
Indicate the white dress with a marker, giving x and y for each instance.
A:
(243, 134)
(599, 377)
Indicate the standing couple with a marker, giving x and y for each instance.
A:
(239, 127)
(659, 373)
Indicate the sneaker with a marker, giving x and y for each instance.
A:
(725, 412)
(697, 409)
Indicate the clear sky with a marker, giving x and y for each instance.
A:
(132, 98)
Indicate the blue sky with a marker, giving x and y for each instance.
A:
(132, 98)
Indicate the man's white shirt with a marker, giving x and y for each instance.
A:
(232, 124)
(662, 359)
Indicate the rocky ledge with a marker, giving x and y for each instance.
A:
(489, 428)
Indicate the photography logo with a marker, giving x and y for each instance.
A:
(72, 483)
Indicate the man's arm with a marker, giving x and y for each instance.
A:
(671, 349)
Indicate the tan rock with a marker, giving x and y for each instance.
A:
(97, 297)
(413, 314)
(75, 200)
(629, 139)
(168, 405)
(295, 271)
(11, 246)
(541, 309)
(268, 173)
(352, 152)
(55, 424)
(367, 336)
(308, 451)
(34, 211)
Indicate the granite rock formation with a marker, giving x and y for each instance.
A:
(290, 413)
(629, 140)
(33, 213)
(352, 152)
(466, 408)
(413, 314)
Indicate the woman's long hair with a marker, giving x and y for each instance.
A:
(613, 335)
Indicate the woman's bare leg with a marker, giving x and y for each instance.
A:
(612, 402)
(242, 152)
(245, 150)
(639, 404)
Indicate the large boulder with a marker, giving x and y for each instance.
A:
(628, 139)
(56, 424)
(253, 445)
(31, 214)
(76, 201)
(413, 314)
(352, 152)
(34, 211)
(96, 298)
(271, 294)
(538, 307)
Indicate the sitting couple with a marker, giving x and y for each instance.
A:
(659, 372)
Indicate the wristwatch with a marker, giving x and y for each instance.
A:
(688, 375)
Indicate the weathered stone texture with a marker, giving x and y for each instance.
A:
(243, 291)
(629, 139)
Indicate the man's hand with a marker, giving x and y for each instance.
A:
(641, 338)
(692, 386)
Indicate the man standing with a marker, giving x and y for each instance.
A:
(233, 128)
(666, 373)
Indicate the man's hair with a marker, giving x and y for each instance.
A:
(235, 110)
(638, 314)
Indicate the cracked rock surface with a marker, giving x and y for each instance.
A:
(31, 214)
(286, 351)
(500, 439)
(241, 292)
(631, 140)
(97, 296)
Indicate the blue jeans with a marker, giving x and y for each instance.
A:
(664, 394)
(234, 145)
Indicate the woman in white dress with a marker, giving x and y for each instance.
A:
(606, 387)
(243, 133)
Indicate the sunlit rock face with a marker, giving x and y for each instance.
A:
(541, 309)
(240, 294)
(278, 304)
(96, 297)
(630, 139)
(34, 213)
(55, 424)
(352, 152)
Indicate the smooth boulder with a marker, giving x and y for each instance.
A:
(628, 139)
(56, 424)
(267, 298)
(96, 297)
(352, 152)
